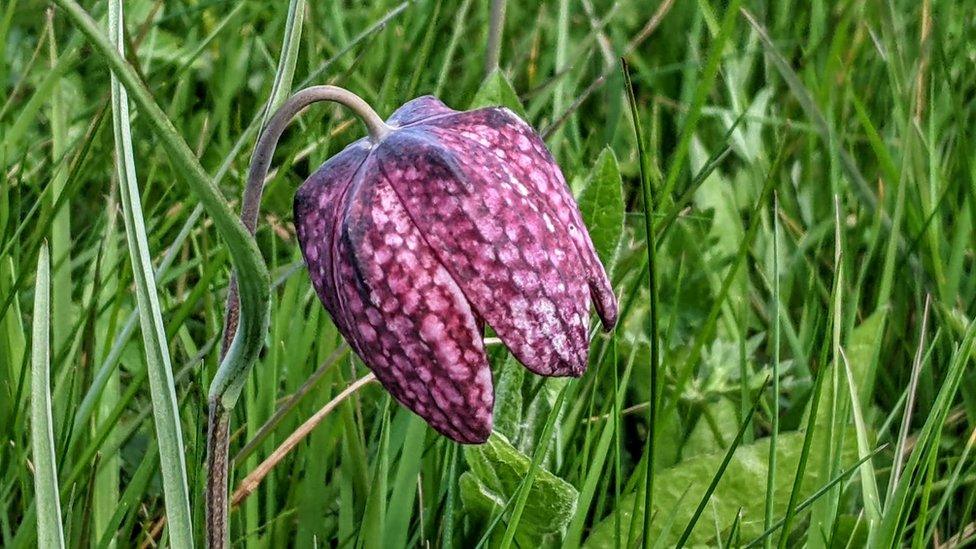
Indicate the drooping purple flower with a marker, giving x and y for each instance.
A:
(452, 220)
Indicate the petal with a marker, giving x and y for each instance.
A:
(525, 154)
(318, 204)
(521, 274)
(419, 109)
(412, 325)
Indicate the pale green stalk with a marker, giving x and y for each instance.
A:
(61, 306)
(496, 27)
(559, 95)
(46, 497)
(774, 435)
(169, 434)
(105, 499)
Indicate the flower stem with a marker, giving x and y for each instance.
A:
(218, 427)
(496, 25)
(268, 140)
(261, 162)
(218, 444)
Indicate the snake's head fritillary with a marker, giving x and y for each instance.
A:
(450, 221)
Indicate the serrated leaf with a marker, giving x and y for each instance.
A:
(677, 489)
(497, 91)
(602, 206)
(497, 470)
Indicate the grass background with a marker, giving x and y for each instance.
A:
(805, 169)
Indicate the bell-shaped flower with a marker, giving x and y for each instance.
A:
(450, 221)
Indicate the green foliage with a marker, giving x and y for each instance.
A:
(497, 91)
(602, 204)
(856, 116)
(738, 497)
(50, 533)
(159, 366)
(497, 472)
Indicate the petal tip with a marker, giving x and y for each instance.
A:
(605, 302)
(609, 319)
(477, 433)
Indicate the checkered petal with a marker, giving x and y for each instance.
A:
(452, 220)
(506, 252)
(524, 155)
(399, 308)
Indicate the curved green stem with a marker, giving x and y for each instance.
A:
(255, 290)
(218, 429)
(264, 151)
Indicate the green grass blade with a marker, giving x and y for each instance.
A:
(281, 88)
(898, 505)
(62, 310)
(702, 91)
(869, 483)
(808, 435)
(46, 497)
(774, 434)
(540, 450)
(746, 424)
(811, 109)
(169, 434)
(647, 193)
(597, 461)
(951, 483)
(373, 526)
(460, 21)
(253, 280)
(107, 479)
(405, 484)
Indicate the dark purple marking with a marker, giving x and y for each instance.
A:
(453, 220)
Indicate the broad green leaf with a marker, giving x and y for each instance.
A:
(528, 479)
(714, 430)
(508, 399)
(602, 206)
(535, 413)
(742, 488)
(496, 91)
(497, 471)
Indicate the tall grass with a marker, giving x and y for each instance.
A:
(851, 291)
(169, 433)
(47, 499)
